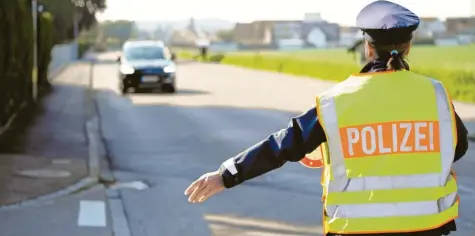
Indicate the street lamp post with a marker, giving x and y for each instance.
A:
(76, 33)
(34, 77)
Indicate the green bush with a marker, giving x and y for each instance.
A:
(16, 56)
(83, 47)
(16, 63)
(45, 45)
(218, 57)
(190, 55)
(185, 54)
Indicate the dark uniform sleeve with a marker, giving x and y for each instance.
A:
(462, 138)
(303, 135)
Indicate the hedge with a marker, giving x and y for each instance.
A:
(45, 45)
(83, 47)
(16, 63)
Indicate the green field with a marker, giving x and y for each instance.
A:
(454, 66)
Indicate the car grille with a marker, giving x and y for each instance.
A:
(150, 71)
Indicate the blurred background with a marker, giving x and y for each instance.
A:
(81, 155)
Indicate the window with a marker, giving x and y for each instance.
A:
(145, 53)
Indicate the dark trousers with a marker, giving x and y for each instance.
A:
(203, 52)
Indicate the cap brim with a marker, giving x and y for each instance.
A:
(389, 36)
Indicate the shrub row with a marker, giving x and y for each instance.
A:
(16, 55)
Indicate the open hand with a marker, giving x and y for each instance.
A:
(204, 187)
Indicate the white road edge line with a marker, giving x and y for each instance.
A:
(92, 214)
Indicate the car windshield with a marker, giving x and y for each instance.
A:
(144, 53)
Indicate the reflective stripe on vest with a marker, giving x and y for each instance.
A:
(387, 174)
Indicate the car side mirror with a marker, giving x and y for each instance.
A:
(173, 56)
(118, 59)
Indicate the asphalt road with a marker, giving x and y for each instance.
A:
(169, 140)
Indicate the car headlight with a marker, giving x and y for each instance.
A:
(169, 69)
(126, 70)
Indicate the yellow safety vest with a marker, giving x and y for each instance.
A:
(388, 157)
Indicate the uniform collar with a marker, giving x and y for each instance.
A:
(374, 66)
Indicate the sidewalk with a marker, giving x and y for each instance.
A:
(50, 152)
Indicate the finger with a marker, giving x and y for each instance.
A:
(193, 186)
(213, 192)
(205, 195)
(198, 192)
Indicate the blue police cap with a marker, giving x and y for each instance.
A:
(385, 23)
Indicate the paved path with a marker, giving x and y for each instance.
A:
(167, 141)
(55, 142)
(52, 144)
(84, 214)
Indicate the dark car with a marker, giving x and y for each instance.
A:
(146, 64)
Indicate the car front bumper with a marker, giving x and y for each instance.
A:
(137, 80)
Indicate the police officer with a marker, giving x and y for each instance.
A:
(389, 138)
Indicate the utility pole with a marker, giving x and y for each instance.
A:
(76, 33)
(34, 77)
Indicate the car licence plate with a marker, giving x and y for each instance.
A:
(149, 78)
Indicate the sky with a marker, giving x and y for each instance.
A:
(339, 11)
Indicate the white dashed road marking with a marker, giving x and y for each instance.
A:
(92, 214)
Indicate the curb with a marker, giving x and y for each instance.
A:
(106, 174)
(81, 184)
(92, 128)
(98, 163)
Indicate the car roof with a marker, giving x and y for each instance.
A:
(139, 43)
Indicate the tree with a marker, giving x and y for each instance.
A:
(122, 30)
(64, 12)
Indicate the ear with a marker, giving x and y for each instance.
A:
(369, 50)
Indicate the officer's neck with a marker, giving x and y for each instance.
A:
(374, 66)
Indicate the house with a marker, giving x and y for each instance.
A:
(463, 29)
(446, 39)
(310, 32)
(349, 35)
(321, 34)
(460, 25)
(287, 34)
(191, 36)
(285, 30)
(255, 33)
(429, 27)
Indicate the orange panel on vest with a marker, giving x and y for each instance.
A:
(390, 138)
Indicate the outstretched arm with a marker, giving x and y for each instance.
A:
(303, 135)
